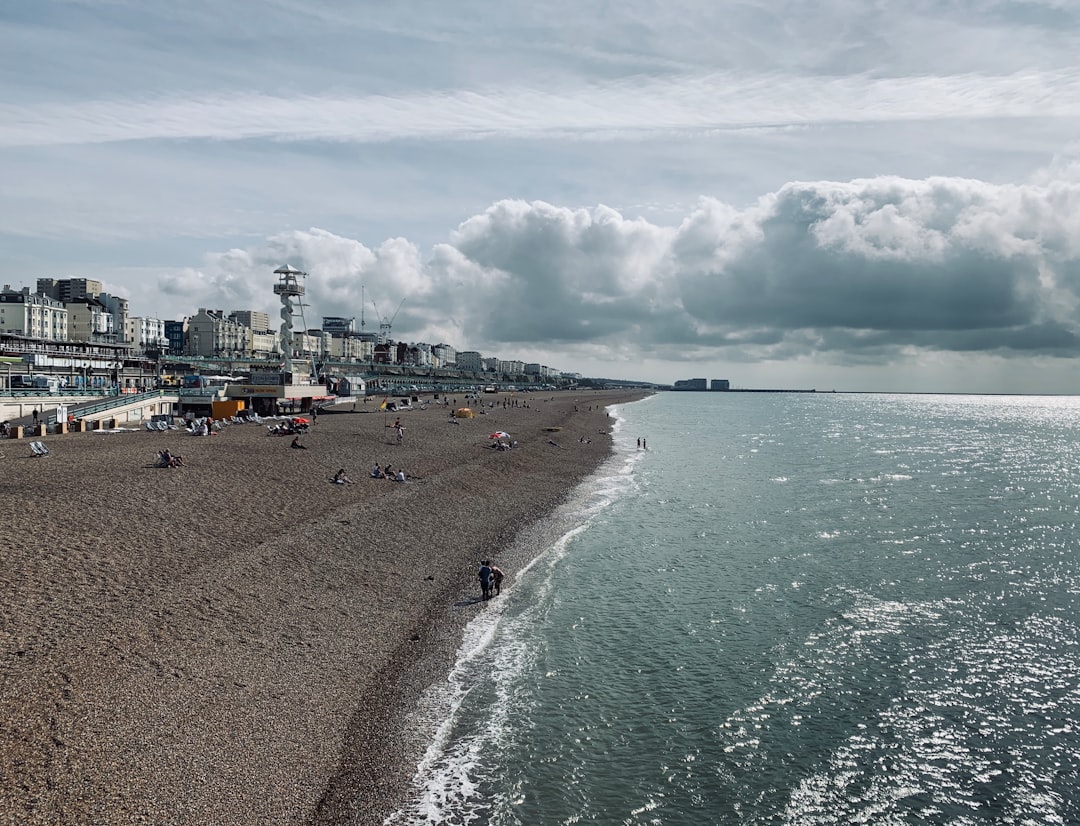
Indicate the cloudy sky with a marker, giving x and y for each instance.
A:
(848, 194)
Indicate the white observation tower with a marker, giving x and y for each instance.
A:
(288, 287)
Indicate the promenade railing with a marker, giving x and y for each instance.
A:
(111, 403)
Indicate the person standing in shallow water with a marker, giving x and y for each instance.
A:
(485, 578)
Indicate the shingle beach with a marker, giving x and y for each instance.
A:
(239, 641)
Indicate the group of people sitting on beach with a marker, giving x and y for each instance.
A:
(286, 428)
(166, 458)
(388, 472)
(491, 578)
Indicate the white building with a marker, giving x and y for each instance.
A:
(117, 307)
(512, 367)
(470, 360)
(33, 315)
(264, 344)
(146, 333)
(535, 369)
(445, 355)
(421, 355)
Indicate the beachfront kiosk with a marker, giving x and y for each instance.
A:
(271, 393)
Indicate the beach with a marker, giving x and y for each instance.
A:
(239, 641)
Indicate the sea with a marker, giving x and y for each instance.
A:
(784, 608)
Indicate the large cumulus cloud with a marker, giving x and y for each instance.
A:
(865, 271)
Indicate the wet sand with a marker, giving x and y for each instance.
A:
(239, 641)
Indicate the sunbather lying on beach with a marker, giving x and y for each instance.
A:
(341, 479)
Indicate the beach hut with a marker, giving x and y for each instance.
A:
(464, 413)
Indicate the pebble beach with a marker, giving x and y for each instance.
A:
(239, 641)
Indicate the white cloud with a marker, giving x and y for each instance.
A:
(621, 108)
(871, 272)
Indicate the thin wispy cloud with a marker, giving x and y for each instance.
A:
(634, 106)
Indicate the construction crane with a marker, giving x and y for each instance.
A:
(386, 322)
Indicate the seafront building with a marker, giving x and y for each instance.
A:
(67, 290)
(701, 384)
(23, 313)
(87, 338)
(147, 334)
(470, 360)
(89, 320)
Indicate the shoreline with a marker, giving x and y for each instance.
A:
(240, 641)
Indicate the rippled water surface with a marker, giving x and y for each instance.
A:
(791, 609)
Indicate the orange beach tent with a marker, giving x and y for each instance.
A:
(464, 413)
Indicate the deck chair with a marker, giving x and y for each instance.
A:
(150, 427)
(39, 449)
(162, 426)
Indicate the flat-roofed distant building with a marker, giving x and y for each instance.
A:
(445, 355)
(33, 315)
(308, 343)
(117, 307)
(339, 326)
(146, 333)
(252, 319)
(265, 344)
(512, 367)
(174, 332)
(542, 370)
(348, 348)
(66, 290)
(469, 360)
(420, 355)
(691, 384)
(720, 384)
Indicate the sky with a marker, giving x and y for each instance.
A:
(840, 195)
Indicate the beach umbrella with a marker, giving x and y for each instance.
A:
(499, 434)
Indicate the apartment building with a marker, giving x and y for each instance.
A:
(33, 315)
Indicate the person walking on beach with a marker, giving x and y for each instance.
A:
(485, 578)
(496, 579)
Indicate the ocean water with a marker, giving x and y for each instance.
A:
(789, 609)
